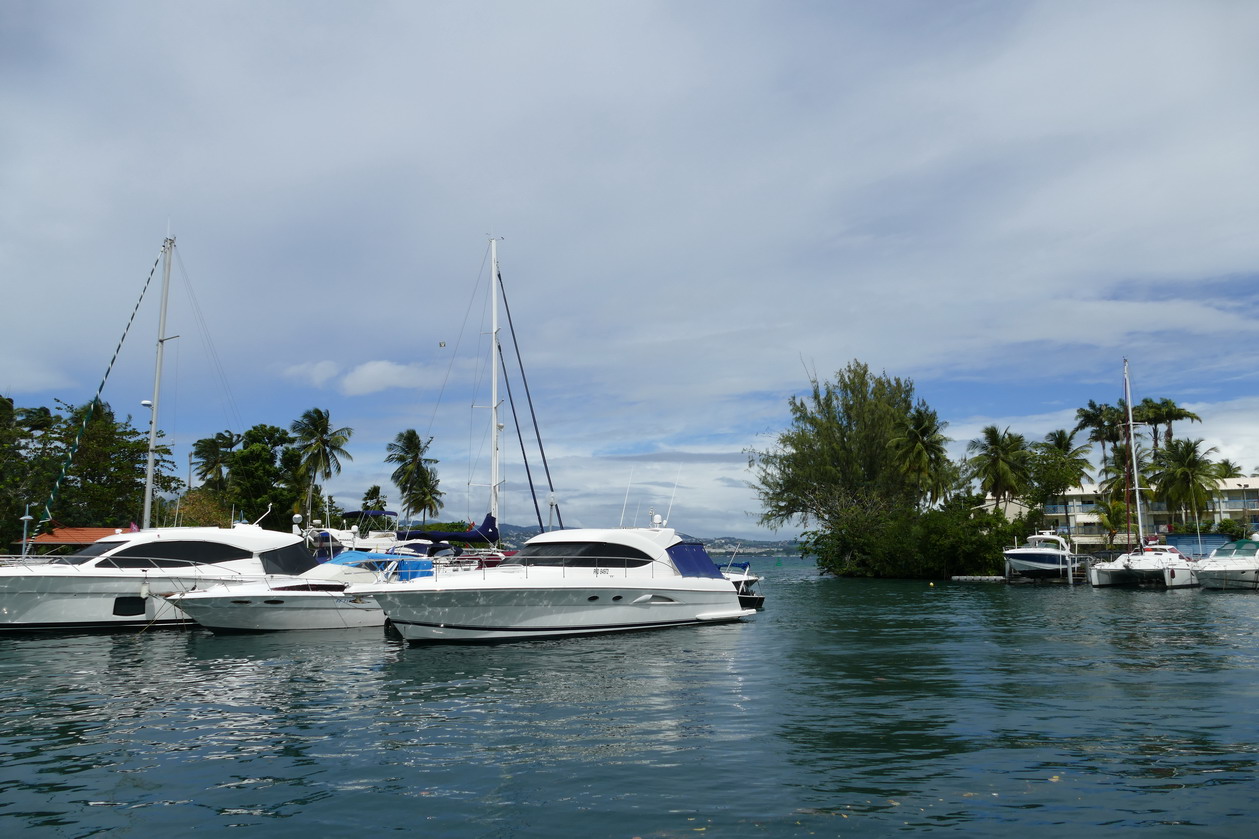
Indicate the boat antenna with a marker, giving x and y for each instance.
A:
(669, 509)
(264, 515)
(625, 503)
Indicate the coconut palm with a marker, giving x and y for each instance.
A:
(999, 461)
(919, 449)
(1229, 469)
(414, 477)
(1105, 424)
(1171, 412)
(1119, 470)
(321, 445)
(211, 456)
(1185, 476)
(1068, 463)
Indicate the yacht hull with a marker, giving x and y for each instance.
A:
(506, 612)
(249, 609)
(65, 599)
(1229, 578)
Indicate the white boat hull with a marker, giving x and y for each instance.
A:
(254, 609)
(502, 610)
(62, 597)
(1235, 577)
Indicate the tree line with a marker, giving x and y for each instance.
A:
(88, 464)
(863, 466)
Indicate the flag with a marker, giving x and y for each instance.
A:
(133, 528)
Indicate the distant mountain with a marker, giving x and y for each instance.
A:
(513, 536)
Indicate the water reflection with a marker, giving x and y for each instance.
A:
(846, 707)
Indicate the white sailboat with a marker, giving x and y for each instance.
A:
(1149, 563)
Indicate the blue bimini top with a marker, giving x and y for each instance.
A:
(693, 561)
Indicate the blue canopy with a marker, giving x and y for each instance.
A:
(486, 533)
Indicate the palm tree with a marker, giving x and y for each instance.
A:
(1071, 462)
(1119, 470)
(1148, 412)
(1171, 412)
(999, 461)
(1104, 422)
(1229, 469)
(414, 477)
(321, 445)
(1185, 476)
(211, 456)
(919, 449)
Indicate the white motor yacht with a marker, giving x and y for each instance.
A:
(117, 581)
(1233, 565)
(315, 599)
(1046, 554)
(566, 582)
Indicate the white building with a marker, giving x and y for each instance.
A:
(1234, 498)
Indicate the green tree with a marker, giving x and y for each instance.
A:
(256, 481)
(211, 456)
(1055, 465)
(373, 500)
(855, 466)
(1170, 412)
(1229, 469)
(321, 445)
(1104, 422)
(1185, 477)
(999, 461)
(835, 456)
(415, 477)
(918, 447)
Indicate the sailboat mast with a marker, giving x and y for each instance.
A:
(1132, 449)
(167, 247)
(494, 364)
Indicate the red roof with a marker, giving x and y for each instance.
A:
(74, 535)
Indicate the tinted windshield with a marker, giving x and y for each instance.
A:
(579, 555)
(85, 554)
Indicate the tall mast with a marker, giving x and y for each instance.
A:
(1132, 449)
(167, 247)
(494, 426)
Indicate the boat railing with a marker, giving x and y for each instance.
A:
(597, 567)
(29, 559)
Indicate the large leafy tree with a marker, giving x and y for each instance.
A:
(853, 467)
(999, 460)
(415, 476)
(261, 476)
(1185, 476)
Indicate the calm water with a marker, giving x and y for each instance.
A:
(847, 708)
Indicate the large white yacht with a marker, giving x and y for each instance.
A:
(1232, 565)
(1046, 554)
(118, 581)
(566, 582)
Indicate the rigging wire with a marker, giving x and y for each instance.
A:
(511, 327)
(91, 407)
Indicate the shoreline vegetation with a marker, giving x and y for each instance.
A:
(863, 468)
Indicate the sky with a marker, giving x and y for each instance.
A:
(699, 205)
